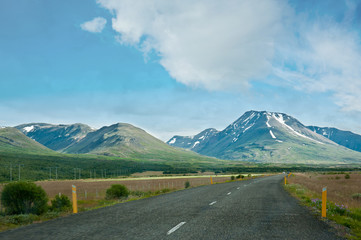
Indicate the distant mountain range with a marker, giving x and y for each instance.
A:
(260, 137)
(118, 140)
(272, 137)
(345, 138)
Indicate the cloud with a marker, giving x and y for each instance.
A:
(221, 45)
(211, 44)
(94, 26)
(329, 60)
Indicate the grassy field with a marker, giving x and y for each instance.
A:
(343, 198)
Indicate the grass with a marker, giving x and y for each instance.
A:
(337, 212)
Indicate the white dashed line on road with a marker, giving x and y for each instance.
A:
(175, 228)
(229, 193)
(212, 203)
(238, 188)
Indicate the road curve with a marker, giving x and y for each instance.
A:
(252, 209)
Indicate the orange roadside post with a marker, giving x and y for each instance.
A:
(75, 203)
(285, 180)
(324, 201)
(211, 180)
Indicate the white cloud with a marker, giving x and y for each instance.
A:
(330, 61)
(95, 26)
(226, 44)
(211, 44)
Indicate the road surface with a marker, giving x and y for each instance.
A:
(252, 209)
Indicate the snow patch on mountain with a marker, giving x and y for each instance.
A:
(248, 128)
(272, 135)
(195, 144)
(173, 141)
(28, 129)
(267, 123)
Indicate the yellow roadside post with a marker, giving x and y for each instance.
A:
(211, 180)
(75, 204)
(285, 180)
(289, 174)
(324, 200)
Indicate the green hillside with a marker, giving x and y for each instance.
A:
(14, 141)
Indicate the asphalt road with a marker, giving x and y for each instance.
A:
(253, 209)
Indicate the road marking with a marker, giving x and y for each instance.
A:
(212, 203)
(175, 228)
(238, 188)
(229, 193)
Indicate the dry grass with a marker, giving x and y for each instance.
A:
(95, 189)
(339, 189)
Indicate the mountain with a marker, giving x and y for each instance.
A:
(345, 138)
(126, 141)
(12, 140)
(268, 137)
(192, 142)
(56, 137)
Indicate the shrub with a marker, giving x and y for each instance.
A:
(117, 191)
(238, 176)
(347, 176)
(21, 219)
(232, 178)
(60, 203)
(187, 184)
(356, 196)
(24, 198)
(337, 177)
(242, 176)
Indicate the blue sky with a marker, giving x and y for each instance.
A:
(178, 67)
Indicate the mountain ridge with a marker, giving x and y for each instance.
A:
(263, 136)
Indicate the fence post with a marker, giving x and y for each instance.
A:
(324, 200)
(75, 203)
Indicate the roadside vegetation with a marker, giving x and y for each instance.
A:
(343, 198)
(24, 203)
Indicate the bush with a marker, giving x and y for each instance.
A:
(232, 178)
(21, 219)
(60, 203)
(347, 176)
(356, 196)
(187, 184)
(24, 198)
(238, 176)
(117, 191)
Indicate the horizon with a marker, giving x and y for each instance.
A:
(102, 62)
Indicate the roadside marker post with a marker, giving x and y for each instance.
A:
(75, 204)
(324, 200)
(285, 180)
(289, 174)
(211, 180)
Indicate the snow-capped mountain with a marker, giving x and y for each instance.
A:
(192, 142)
(345, 138)
(264, 137)
(55, 137)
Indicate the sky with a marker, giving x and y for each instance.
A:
(179, 67)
